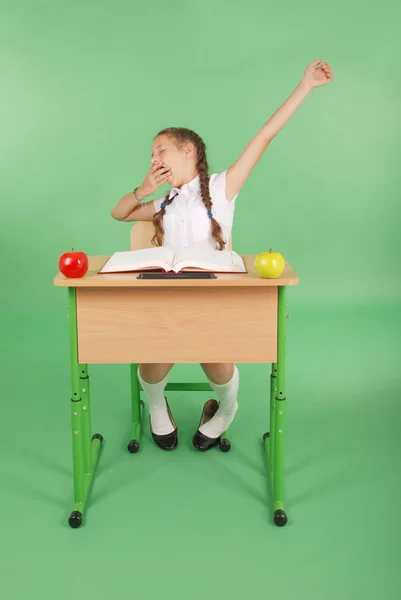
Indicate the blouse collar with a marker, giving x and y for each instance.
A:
(193, 185)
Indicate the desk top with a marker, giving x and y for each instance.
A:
(252, 278)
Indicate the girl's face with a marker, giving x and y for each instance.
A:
(166, 153)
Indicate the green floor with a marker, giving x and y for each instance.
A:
(186, 524)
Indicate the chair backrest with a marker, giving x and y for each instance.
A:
(142, 233)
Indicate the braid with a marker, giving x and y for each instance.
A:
(183, 135)
(157, 239)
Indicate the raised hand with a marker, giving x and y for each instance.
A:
(315, 76)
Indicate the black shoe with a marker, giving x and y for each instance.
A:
(168, 441)
(200, 441)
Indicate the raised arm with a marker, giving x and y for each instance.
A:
(237, 174)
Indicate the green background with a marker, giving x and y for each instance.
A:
(85, 87)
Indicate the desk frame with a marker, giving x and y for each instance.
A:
(86, 448)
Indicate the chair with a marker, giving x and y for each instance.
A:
(140, 238)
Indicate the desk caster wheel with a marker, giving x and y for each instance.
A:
(225, 445)
(75, 519)
(133, 446)
(280, 518)
(97, 436)
(266, 435)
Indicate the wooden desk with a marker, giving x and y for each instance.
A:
(117, 318)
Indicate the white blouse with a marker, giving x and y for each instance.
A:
(186, 222)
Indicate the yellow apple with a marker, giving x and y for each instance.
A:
(269, 265)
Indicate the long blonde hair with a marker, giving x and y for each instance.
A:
(180, 136)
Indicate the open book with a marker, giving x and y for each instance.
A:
(167, 260)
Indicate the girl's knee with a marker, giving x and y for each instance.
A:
(154, 372)
(218, 372)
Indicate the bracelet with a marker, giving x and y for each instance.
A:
(136, 197)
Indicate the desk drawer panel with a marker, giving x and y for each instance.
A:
(184, 325)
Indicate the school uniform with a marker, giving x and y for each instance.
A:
(186, 222)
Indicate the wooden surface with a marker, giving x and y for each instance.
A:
(252, 278)
(207, 324)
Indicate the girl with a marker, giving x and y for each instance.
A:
(198, 211)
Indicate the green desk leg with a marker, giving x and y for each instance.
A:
(274, 440)
(137, 410)
(85, 449)
(273, 390)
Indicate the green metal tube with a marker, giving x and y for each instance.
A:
(279, 417)
(279, 455)
(273, 389)
(86, 418)
(135, 395)
(137, 407)
(77, 451)
(281, 342)
(88, 477)
(72, 321)
(136, 426)
(95, 450)
(268, 446)
(76, 403)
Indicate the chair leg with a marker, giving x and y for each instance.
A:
(137, 410)
(225, 445)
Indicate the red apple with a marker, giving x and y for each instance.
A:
(73, 264)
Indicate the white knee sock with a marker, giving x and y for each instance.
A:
(160, 420)
(227, 394)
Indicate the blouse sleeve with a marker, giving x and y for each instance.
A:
(218, 188)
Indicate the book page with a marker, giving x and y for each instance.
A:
(133, 260)
(209, 259)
